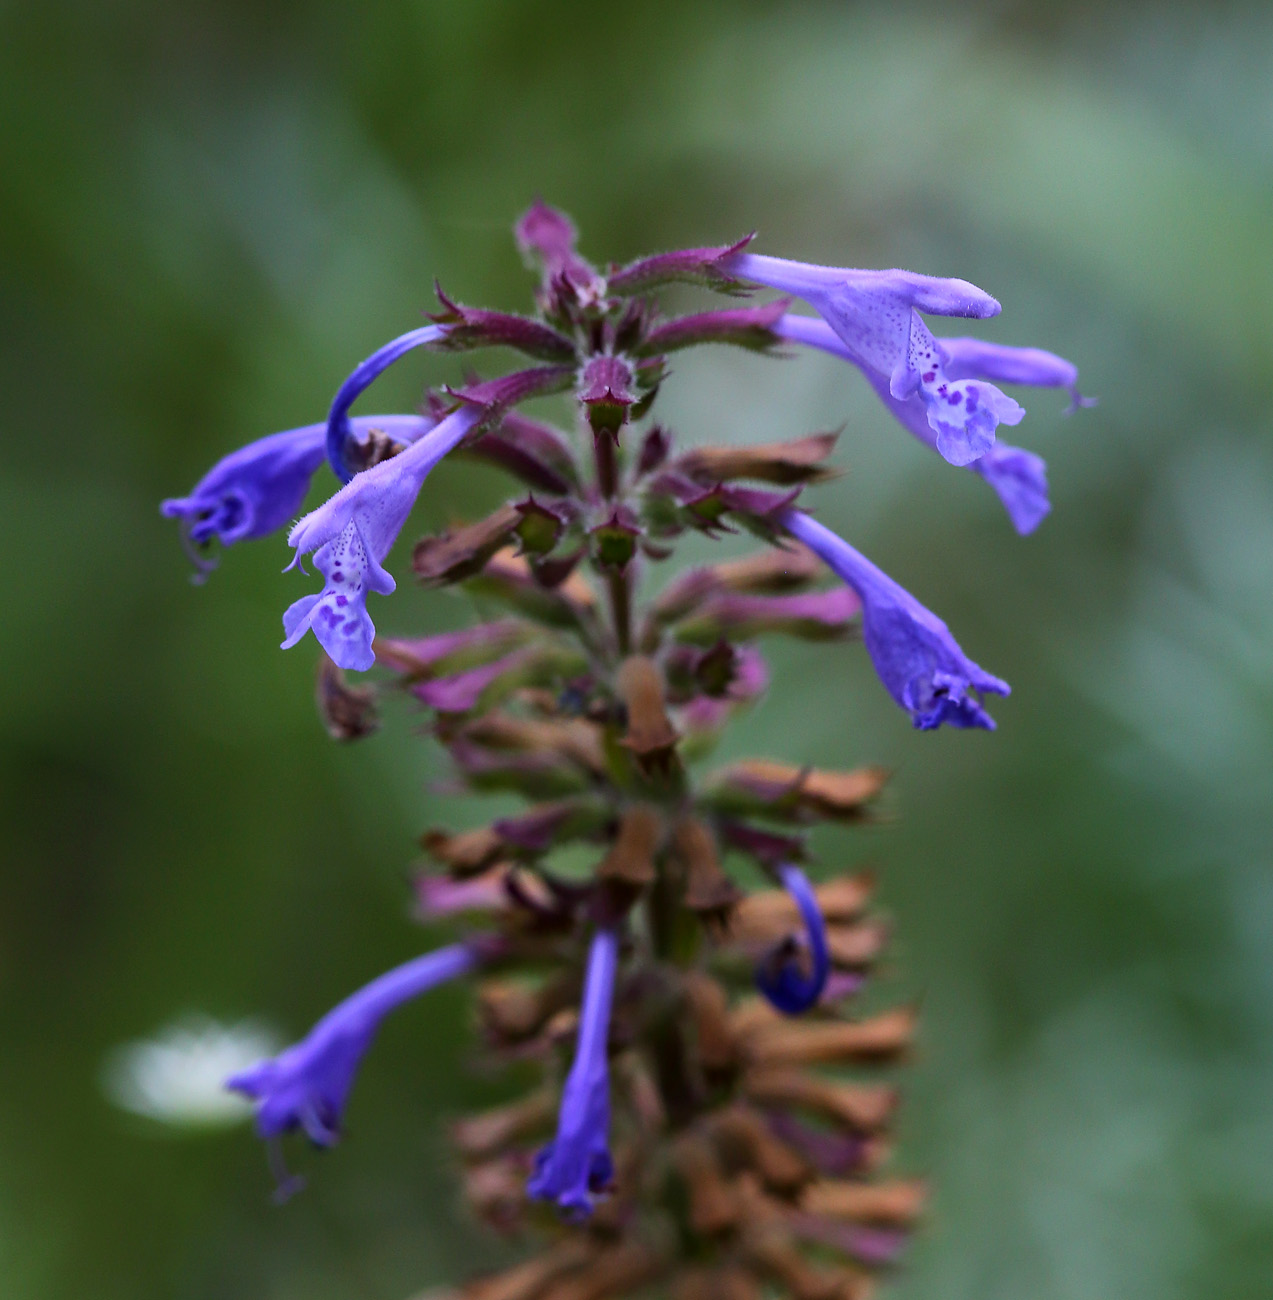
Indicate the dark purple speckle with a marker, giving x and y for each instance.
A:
(342, 601)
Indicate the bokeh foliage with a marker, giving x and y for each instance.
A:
(209, 212)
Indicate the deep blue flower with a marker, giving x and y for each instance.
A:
(351, 534)
(876, 316)
(1019, 477)
(260, 487)
(338, 422)
(307, 1085)
(577, 1164)
(779, 977)
(917, 659)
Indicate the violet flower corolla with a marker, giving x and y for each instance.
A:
(1018, 476)
(915, 656)
(338, 421)
(307, 1085)
(779, 976)
(576, 1164)
(258, 488)
(350, 535)
(876, 316)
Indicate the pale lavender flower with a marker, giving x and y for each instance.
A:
(917, 659)
(1018, 476)
(876, 316)
(307, 1085)
(779, 977)
(260, 487)
(577, 1164)
(351, 535)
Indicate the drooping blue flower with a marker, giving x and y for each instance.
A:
(917, 659)
(576, 1164)
(1019, 477)
(779, 977)
(350, 535)
(307, 1085)
(338, 422)
(258, 488)
(876, 316)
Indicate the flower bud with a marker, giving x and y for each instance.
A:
(649, 734)
(863, 1107)
(455, 555)
(797, 461)
(606, 391)
(631, 858)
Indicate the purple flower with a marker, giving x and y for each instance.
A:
(258, 488)
(307, 1085)
(875, 314)
(576, 1165)
(338, 422)
(350, 535)
(1019, 477)
(779, 976)
(919, 662)
(977, 359)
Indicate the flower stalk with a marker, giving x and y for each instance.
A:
(712, 1110)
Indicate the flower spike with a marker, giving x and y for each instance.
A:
(258, 488)
(779, 977)
(352, 533)
(917, 659)
(307, 1085)
(577, 1165)
(338, 424)
(876, 316)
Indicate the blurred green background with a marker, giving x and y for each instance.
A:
(210, 211)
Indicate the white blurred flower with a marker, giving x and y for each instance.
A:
(178, 1077)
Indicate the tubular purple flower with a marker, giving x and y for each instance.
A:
(976, 359)
(258, 488)
(876, 316)
(1019, 477)
(577, 1165)
(307, 1085)
(779, 976)
(917, 659)
(338, 423)
(350, 535)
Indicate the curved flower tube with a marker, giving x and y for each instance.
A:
(875, 314)
(351, 534)
(307, 1085)
(915, 656)
(259, 487)
(576, 1164)
(338, 423)
(779, 976)
(1018, 477)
